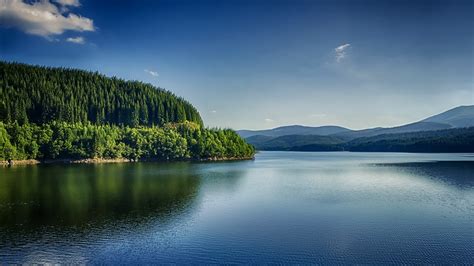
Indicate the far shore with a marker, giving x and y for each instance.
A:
(116, 160)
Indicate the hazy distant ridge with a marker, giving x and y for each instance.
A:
(294, 130)
(436, 133)
(462, 116)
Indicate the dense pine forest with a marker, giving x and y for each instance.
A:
(31, 94)
(56, 113)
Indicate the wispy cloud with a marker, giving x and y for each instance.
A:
(213, 111)
(153, 73)
(42, 18)
(78, 40)
(341, 52)
(269, 120)
(68, 2)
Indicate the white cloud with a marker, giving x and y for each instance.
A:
(68, 2)
(213, 111)
(42, 18)
(341, 52)
(153, 73)
(269, 120)
(78, 40)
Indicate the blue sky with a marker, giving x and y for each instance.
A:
(261, 64)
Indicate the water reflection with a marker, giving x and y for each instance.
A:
(329, 208)
(57, 213)
(82, 194)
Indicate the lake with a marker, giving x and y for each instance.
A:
(282, 207)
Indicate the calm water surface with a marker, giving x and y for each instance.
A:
(282, 207)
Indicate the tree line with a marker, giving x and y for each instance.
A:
(447, 140)
(173, 141)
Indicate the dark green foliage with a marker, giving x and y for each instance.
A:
(61, 140)
(449, 140)
(318, 147)
(41, 94)
(296, 143)
(57, 113)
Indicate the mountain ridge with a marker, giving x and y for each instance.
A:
(294, 130)
(442, 129)
(460, 116)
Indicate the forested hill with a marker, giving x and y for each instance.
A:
(65, 114)
(34, 94)
(447, 140)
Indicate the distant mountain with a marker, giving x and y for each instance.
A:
(459, 117)
(413, 127)
(293, 142)
(462, 116)
(294, 130)
(439, 128)
(255, 140)
(447, 140)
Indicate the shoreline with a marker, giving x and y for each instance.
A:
(116, 160)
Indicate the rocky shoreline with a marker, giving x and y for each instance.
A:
(117, 160)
